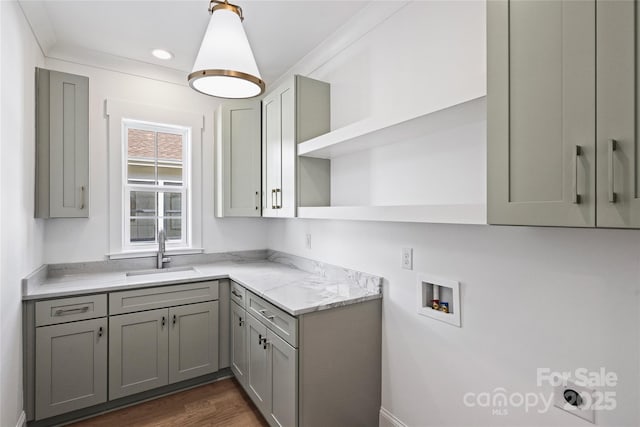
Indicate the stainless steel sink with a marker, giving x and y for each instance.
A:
(158, 271)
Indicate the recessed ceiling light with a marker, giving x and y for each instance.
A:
(161, 54)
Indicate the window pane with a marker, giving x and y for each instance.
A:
(141, 155)
(141, 172)
(173, 228)
(143, 229)
(143, 203)
(170, 158)
(172, 204)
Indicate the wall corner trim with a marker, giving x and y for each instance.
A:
(387, 419)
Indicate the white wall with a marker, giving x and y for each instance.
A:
(21, 247)
(531, 297)
(75, 240)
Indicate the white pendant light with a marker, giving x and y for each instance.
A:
(225, 66)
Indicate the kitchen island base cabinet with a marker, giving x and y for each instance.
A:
(72, 366)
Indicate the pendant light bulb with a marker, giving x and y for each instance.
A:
(225, 66)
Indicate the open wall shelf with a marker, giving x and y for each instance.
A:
(378, 131)
(427, 168)
(443, 214)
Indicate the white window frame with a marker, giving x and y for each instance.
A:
(119, 112)
(159, 188)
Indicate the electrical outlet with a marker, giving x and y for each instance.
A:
(308, 240)
(407, 258)
(575, 399)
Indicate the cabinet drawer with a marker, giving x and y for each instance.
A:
(283, 324)
(161, 297)
(238, 294)
(64, 310)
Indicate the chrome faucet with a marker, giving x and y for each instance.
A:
(161, 248)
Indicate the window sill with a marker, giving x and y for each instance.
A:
(148, 253)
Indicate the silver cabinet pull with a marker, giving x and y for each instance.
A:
(264, 344)
(240, 322)
(82, 198)
(100, 331)
(613, 146)
(576, 160)
(69, 311)
(174, 319)
(274, 201)
(257, 200)
(268, 316)
(164, 321)
(278, 205)
(236, 294)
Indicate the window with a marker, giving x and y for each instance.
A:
(156, 166)
(156, 184)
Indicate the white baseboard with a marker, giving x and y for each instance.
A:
(387, 419)
(22, 420)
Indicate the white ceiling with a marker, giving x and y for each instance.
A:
(280, 32)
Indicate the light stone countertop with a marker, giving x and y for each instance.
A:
(292, 289)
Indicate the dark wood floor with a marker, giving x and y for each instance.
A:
(222, 403)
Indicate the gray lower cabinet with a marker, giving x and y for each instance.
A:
(193, 341)
(71, 360)
(150, 349)
(238, 345)
(257, 364)
(138, 352)
(272, 374)
(282, 381)
(89, 350)
(317, 369)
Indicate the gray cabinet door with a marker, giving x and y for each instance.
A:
(282, 377)
(286, 194)
(62, 145)
(257, 364)
(138, 352)
(71, 366)
(541, 112)
(618, 114)
(239, 342)
(193, 341)
(238, 159)
(271, 155)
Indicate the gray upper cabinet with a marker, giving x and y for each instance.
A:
(62, 145)
(193, 341)
(238, 162)
(542, 112)
(294, 112)
(71, 362)
(618, 114)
